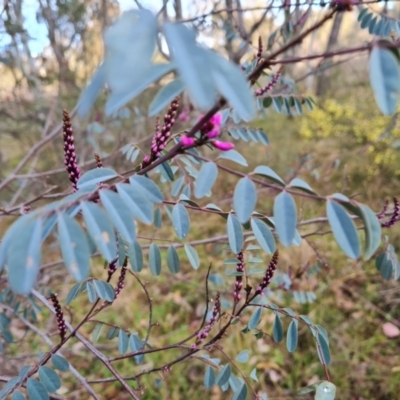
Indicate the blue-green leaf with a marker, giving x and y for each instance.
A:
(157, 218)
(121, 250)
(95, 176)
(292, 336)
(223, 375)
(112, 333)
(136, 30)
(166, 171)
(192, 256)
(384, 265)
(264, 236)
(235, 382)
(234, 156)
(205, 179)
(104, 290)
(285, 218)
(177, 186)
(136, 85)
(243, 356)
(254, 319)
(323, 332)
(191, 61)
(209, 377)
(243, 134)
(344, 229)
(300, 184)
(269, 173)
(138, 204)
(233, 85)
(136, 345)
(97, 331)
(8, 237)
(100, 230)
(73, 293)
(252, 135)
(173, 260)
(362, 13)
(180, 220)
(36, 391)
(234, 133)
(122, 341)
(24, 257)
(154, 259)
(49, 378)
(149, 188)
(74, 247)
(241, 393)
(60, 363)
(135, 256)
(277, 329)
(119, 214)
(253, 374)
(91, 91)
(166, 95)
(323, 349)
(91, 291)
(384, 72)
(372, 229)
(244, 199)
(235, 234)
(325, 391)
(17, 395)
(262, 137)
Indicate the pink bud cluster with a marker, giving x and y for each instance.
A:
(269, 273)
(160, 139)
(99, 162)
(260, 48)
(270, 85)
(395, 215)
(382, 214)
(62, 328)
(69, 151)
(203, 334)
(112, 267)
(121, 282)
(239, 279)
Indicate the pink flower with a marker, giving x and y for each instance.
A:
(216, 119)
(224, 146)
(215, 131)
(212, 128)
(187, 141)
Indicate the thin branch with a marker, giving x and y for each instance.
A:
(90, 347)
(47, 340)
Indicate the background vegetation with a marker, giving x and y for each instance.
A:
(344, 145)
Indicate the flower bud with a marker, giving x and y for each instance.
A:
(223, 146)
(187, 141)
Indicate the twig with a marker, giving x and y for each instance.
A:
(90, 347)
(46, 339)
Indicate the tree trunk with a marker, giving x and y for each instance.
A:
(323, 82)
